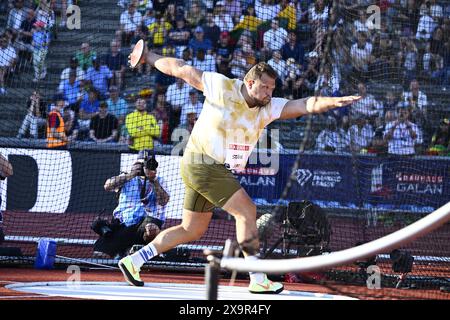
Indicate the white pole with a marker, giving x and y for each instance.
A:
(382, 245)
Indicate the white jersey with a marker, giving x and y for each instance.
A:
(228, 129)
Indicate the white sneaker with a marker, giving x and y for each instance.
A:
(2, 91)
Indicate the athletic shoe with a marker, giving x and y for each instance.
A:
(265, 287)
(2, 91)
(130, 272)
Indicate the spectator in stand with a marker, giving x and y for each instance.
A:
(379, 144)
(426, 26)
(223, 50)
(233, 8)
(85, 56)
(433, 65)
(71, 125)
(221, 18)
(248, 20)
(440, 142)
(437, 42)
(266, 10)
(238, 65)
(416, 100)
(177, 94)
(306, 83)
(40, 43)
(35, 118)
(328, 85)
(406, 18)
(171, 14)
(278, 64)
(184, 130)
(162, 114)
(148, 18)
(361, 56)
(332, 138)
(142, 127)
(103, 127)
(117, 105)
(187, 56)
(210, 29)
(224, 69)
(99, 77)
(384, 60)
(16, 16)
(360, 134)
(116, 62)
(204, 61)
(390, 102)
(159, 31)
(161, 5)
(25, 34)
(318, 18)
(194, 15)
(435, 9)
(409, 58)
(56, 136)
(402, 136)
(362, 24)
(179, 36)
(89, 107)
(293, 49)
(275, 38)
(8, 59)
(193, 106)
(367, 106)
(199, 41)
(293, 73)
(45, 14)
(180, 136)
(130, 21)
(71, 91)
(73, 67)
(61, 6)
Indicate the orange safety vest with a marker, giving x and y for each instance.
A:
(51, 141)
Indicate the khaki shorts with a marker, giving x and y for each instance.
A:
(208, 185)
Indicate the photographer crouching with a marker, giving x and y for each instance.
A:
(140, 214)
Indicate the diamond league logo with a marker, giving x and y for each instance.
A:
(303, 175)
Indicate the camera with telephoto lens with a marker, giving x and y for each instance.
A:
(101, 227)
(149, 163)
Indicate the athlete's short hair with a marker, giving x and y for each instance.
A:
(259, 69)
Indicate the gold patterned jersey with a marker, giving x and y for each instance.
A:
(227, 129)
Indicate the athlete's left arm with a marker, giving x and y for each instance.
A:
(301, 107)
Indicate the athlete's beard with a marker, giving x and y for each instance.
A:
(260, 103)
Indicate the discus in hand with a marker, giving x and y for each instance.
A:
(137, 56)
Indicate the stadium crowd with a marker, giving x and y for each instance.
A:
(408, 47)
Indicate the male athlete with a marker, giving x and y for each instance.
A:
(233, 116)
